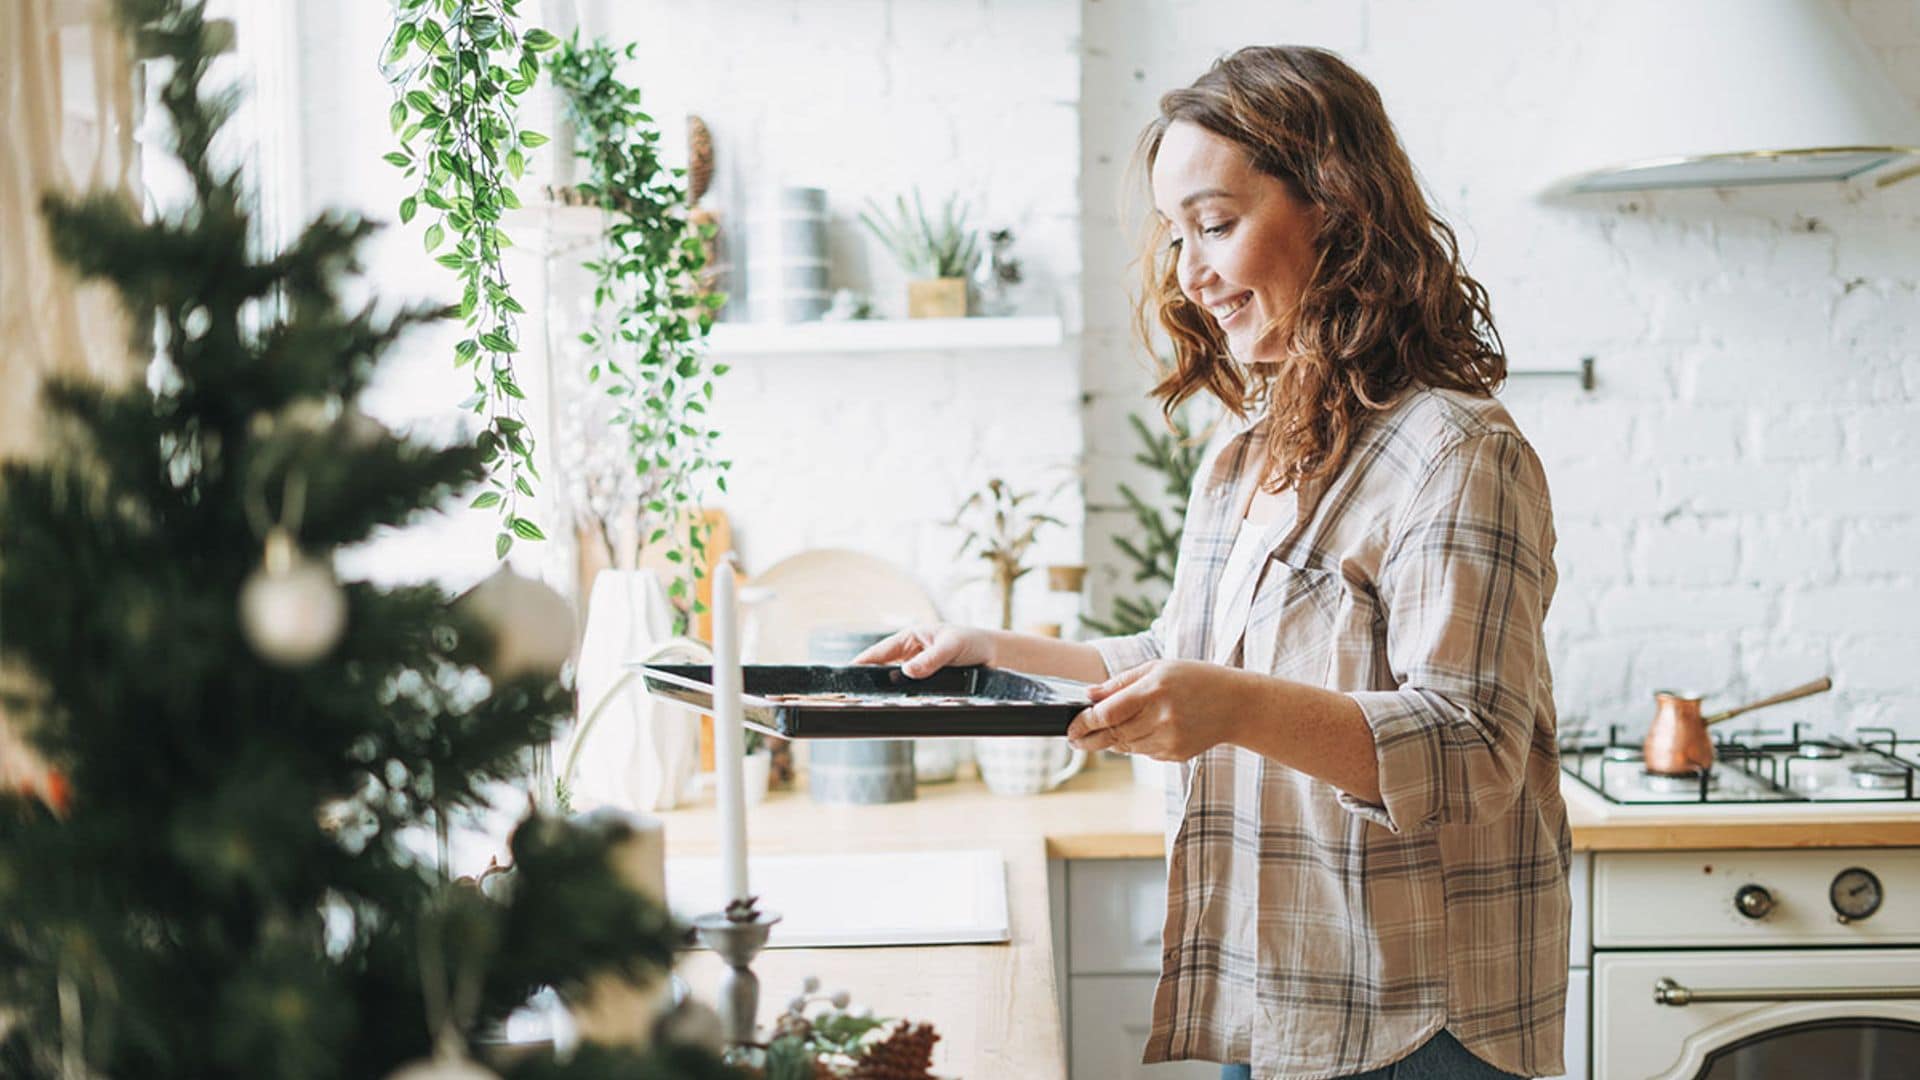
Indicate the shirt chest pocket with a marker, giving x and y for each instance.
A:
(1295, 623)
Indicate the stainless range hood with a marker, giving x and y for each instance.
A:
(1722, 93)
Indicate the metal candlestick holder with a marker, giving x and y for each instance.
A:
(737, 941)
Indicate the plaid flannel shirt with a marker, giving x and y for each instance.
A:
(1308, 932)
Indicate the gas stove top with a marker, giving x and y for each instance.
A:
(1874, 769)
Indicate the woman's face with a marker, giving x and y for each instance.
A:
(1244, 243)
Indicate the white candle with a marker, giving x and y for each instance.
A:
(729, 735)
(640, 859)
(617, 1008)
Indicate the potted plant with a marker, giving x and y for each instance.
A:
(937, 256)
(999, 528)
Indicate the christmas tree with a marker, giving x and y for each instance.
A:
(227, 884)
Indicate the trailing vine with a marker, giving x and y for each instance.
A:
(651, 313)
(458, 69)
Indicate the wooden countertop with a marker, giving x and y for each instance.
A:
(1102, 814)
(994, 1005)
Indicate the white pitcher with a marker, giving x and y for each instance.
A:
(1026, 765)
(629, 622)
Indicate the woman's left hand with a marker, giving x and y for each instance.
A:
(1171, 710)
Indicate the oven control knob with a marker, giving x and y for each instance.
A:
(1753, 901)
(1855, 894)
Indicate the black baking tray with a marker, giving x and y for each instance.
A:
(1019, 704)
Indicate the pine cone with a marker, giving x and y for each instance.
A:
(907, 1054)
(699, 159)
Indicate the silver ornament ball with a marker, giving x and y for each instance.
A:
(291, 609)
(532, 626)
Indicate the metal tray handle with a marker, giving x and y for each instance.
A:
(1668, 992)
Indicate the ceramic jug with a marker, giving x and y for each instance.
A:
(861, 771)
(1026, 765)
(630, 622)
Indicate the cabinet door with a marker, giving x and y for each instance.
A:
(1579, 991)
(1116, 908)
(1111, 1017)
(1580, 885)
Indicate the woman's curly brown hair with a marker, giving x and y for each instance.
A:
(1388, 305)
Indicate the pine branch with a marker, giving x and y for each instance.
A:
(1154, 555)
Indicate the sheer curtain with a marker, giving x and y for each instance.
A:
(68, 126)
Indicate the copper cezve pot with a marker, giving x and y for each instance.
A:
(1677, 743)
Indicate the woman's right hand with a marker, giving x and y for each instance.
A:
(923, 650)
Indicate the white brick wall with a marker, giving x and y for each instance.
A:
(1739, 501)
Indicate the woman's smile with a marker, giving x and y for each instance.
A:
(1223, 313)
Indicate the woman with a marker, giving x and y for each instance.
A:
(1367, 876)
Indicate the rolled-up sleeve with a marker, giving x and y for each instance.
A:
(1465, 582)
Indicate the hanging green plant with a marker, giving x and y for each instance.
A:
(651, 311)
(458, 69)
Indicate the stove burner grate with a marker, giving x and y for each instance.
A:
(1753, 767)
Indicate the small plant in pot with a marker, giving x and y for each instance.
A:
(999, 527)
(938, 256)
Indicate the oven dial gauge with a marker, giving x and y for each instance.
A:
(1855, 894)
(1753, 901)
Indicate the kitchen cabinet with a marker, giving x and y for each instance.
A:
(1107, 1025)
(1115, 911)
(1579, 1017)
(1579, 968)
(1107, 928)
(1108, 915)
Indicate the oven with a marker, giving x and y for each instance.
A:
(1775, 964)
(1748, 965)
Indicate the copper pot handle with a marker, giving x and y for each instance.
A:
(1819, 685)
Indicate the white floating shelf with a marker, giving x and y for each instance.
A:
(874, 335)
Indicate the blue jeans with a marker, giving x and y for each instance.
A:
(1439, 1058)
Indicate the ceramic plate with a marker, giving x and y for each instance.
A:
(828, 588)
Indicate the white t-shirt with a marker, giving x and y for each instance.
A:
(1235, 599)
